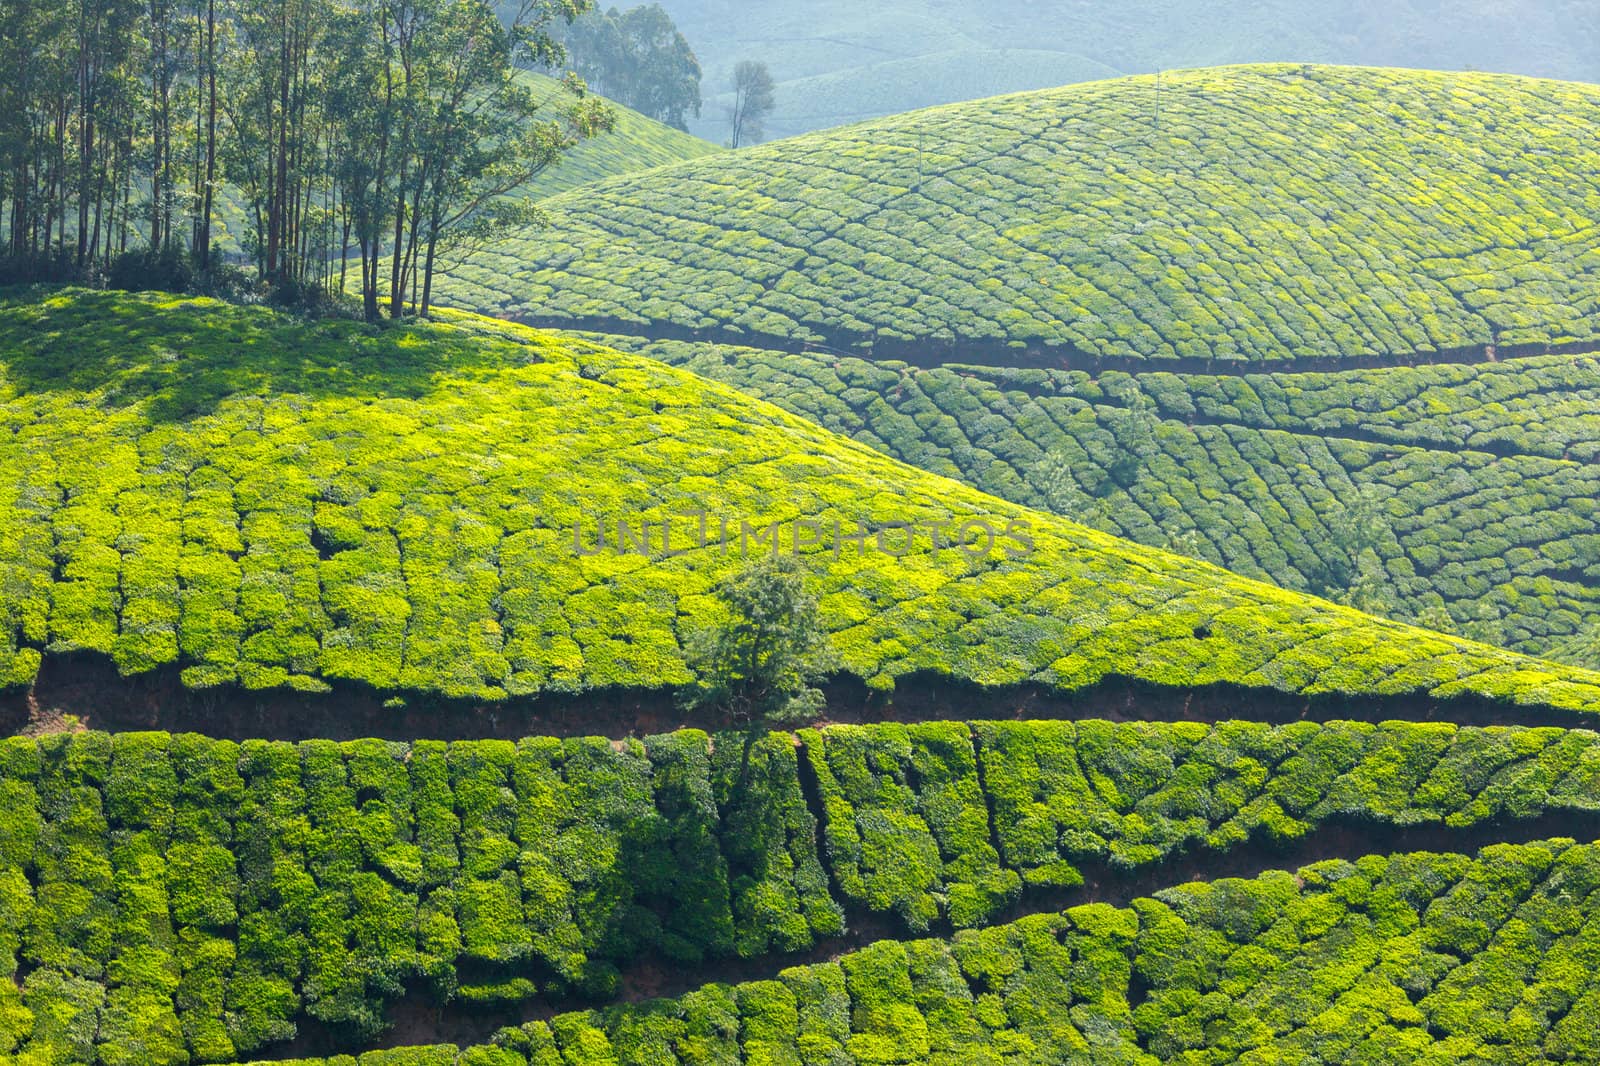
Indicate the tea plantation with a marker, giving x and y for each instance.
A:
(257, 501)
(637, 143)
(1238, 216)
(169, 898)
(1478, 480)
(1200, 396)
(1417, 958)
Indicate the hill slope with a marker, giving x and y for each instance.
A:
(1479, 480)
(1236, 215)
(270, 503)
(637, 143)
(544, 873)
(829, 56)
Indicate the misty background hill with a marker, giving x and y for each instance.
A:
(838, 61)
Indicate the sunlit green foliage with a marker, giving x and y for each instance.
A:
(636, 143)
(1477, 482)
(277, 504)
(907, 828)
(763, 661)
(1233, 214)
(177, 896)
(1418, 958)
(172, 898)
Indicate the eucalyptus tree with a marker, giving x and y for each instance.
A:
(639, 58)
(397, 128)
(753, 100)
(273, 69)
(434, 130)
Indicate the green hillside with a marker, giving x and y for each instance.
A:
(173, 898)
(829, 57)
(637, 143)
(1239, 216)
(271, 503)
(1480, 480)
(1177, 633)
(1339, 961)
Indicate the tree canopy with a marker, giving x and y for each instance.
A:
(753, 101)
(638, 58)
(396, 128)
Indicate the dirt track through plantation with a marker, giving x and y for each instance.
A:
(81, 691)
(85, 691)
(417, 1019)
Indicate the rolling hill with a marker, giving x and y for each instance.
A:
(1226, 218)
(637, 143)
(262, 502)
(175, 898)
(1188, 470)
(1472, 485)
(831, 59)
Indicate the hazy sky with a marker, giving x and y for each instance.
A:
(841, 60)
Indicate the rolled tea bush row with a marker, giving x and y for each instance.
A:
(1401, 959)
(1478, 480)
(166, 899)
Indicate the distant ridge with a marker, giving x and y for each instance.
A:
(1253, 215)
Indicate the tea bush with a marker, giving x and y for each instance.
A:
(1482, 478)
(1234, 214)
(261, 502)
(169, 899)
(1367, 960)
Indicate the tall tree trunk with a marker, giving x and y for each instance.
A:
(427, 269)
(408, 272)
(280, 175)
(99, 199)
(61, 185)
(396, 290)
(85, 137)
(203, 249)
(369, 279)
(156, 192)
(344, 252)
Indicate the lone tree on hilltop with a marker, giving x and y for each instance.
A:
(753, 101)
(762, 664)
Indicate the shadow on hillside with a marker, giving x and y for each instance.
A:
(88, 687)
(418, 1018)
(654, 880)
(183, 356)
